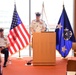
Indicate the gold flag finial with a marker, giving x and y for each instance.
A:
(14, 2)
(43, 5)
(63, 4)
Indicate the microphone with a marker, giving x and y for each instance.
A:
(46, 28)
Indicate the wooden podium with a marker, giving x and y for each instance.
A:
(44, 48)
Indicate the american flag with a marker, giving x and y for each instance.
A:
(18, 35)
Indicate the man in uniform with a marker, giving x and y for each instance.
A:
(37, 25)
(4, 46)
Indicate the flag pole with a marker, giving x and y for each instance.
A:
(19, 56)
(42, 9)
(14, 2)
(29, 23)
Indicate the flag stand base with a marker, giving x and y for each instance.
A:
(64, 58)
(19, 57)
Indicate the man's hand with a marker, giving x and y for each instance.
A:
(40, 22)
(43, 28)
(3, 47)
(0, 49)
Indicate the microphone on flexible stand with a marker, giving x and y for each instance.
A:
(46, 28)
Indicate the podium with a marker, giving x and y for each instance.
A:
(44, 48)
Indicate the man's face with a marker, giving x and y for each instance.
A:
(1, 34)
(37, 17)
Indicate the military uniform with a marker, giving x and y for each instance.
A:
(37, 25)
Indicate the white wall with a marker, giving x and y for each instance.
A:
(53, 9)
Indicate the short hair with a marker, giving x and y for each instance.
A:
(1, 29)
(38, 14)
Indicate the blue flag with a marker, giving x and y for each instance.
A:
(64, 34)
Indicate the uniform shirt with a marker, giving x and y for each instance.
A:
(3, 42)
(37, 26)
